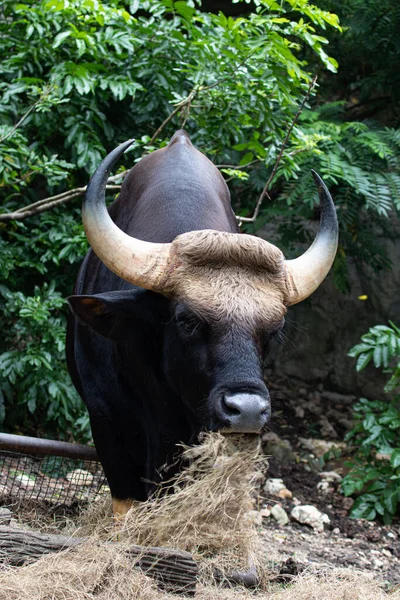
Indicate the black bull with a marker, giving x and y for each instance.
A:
(156, 366)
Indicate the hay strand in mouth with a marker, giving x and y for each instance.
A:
(207, 511)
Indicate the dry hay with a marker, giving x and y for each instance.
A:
(90, 571)
(338, 584)
(207, 515)
(209, 512)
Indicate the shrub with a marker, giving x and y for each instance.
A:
(375, 468)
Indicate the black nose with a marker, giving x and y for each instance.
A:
(245, 412)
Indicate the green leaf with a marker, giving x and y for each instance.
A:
(60, 37)
(358, 349)
(395, 458)
(363, 510)
(390, 501)
(248, 157)
(363, 360)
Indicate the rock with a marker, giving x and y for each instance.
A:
(280, 449)
(334, 415)
(25, 481)
(378, 564)
(315, 397)
(274, 486)
(307, 514)
(347, 503)
(327, 428)
(330, 476)
(338, 398)
(336, 531)
(265, 513)
(346, 423)
(288, 570)
(299, 412)
(296, 501)
(5, 516)
(285, 494)
(320, 447)
(323, 487)
(315, 409)
(79, 477)
(279, 514)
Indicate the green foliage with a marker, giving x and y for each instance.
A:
(36, 394)
(381, 345)
(77, 78)
(367, 52)
(101, 72)
(375, 469)
(360, 163)
(33, 377)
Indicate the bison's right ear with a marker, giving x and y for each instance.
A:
(113, 314)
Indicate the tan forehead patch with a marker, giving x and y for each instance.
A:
(224, 275)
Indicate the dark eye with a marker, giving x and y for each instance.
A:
(188, 323)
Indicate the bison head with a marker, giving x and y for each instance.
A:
(227, 294)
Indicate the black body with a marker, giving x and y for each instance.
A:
(150, 372)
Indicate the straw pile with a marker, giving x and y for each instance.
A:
(206, 510)
(208, 514)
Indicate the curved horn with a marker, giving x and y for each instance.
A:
(306, 273)
(136, 261)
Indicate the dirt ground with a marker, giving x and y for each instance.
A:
(305, 423)
(302, 417)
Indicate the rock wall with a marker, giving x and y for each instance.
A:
(321, 330)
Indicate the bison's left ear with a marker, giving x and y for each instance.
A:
(113, 314)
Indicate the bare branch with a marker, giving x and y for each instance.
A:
(239, 167)
(178, 107)
(22, 119)
(47, 204)
(278, 160)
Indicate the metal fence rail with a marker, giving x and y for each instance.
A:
(57, 472)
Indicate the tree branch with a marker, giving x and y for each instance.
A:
(47, 204)
(178, 107)
(278, 160)
(52, 201)
(22, 119)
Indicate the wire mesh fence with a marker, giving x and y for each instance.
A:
(56, 472)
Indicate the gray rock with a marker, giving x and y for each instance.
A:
(25, 481)
(336, 398)
(320, 447)
(253, 518)
(280, 449)
(327, 428)
(330, 476)
(79, 477)
(272, 487)
(279, 514)
(323, 487)
(306, 514)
